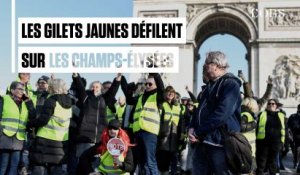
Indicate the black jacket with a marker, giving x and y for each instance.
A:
(45, 150)
(41, 98)
(92, 118)
(293, 124)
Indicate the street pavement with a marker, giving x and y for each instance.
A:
(288, 163)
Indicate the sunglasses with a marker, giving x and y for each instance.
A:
(150, 84)
(271, 103)
(111, 127)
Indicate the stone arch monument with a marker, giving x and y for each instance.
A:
(269, 29)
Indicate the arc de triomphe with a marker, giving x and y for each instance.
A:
(269, 29)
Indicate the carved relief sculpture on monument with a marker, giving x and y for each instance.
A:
(285, 18)
(286, 77)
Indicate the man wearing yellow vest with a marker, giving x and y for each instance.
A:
(15, 110)
(50, 146)
(130, 90)
(270, 135)
(41, 92)
(146, 121)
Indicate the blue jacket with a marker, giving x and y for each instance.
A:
(219, 105)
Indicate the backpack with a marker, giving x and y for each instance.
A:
(238, 152)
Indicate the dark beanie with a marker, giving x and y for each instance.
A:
(115, 124)
(44, 78)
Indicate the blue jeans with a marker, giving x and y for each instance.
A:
(9, 161)
(208, 160)
(24, 159)
(147, 148)
(47, 170)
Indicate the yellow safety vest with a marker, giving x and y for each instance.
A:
(183, 107)
(250, 135)
(109, 114)
(107, 164)
(13, 121)
(171, 114)
(262, 126)
(147, 117)
(58, 126)
(249, 116)
(196, 104)
(120, 112)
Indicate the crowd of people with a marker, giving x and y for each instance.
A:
(56, 130)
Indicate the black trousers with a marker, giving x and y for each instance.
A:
(164, 159)
(266, 153)
(296, 153)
